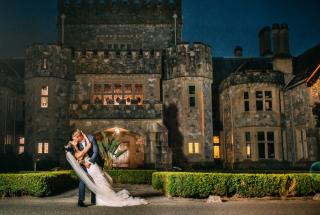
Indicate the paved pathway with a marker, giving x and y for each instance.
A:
(65, 204)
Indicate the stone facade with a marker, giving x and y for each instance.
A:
(117, 67)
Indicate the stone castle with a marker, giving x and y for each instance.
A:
(121, 66)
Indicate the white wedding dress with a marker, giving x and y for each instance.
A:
(98, 182)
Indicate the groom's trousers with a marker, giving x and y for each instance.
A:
(82, 190)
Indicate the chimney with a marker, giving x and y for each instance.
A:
(284, 39)
(276, 38)
(238, 51)
(265, 41)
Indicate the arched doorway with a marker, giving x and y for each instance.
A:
(133, 142)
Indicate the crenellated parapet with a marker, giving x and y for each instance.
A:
(253, 76)
(120, 11)
(48, 61)
(118, 62)
(185, 60)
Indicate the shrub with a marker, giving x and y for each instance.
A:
(123, 176)
(201, 185)
(37, 184)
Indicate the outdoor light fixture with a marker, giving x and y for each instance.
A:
(117, 130)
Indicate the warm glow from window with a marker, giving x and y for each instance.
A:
(44, 96)
(248, 150)
(196, 148)
(190, 148)
(216, 152)
(40, 145)
(46, 148)
(216, 139)
(21, 140)
(21, 149)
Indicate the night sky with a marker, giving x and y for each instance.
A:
(222, 24)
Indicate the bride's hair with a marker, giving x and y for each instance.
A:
(76, 133)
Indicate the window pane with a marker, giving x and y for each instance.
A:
(138, 89)
(128, 89)
(190, 148)
(21, 149)
(192, 90)
(21, 140)
(44, 102)
(268, 94)
(40, 148)
(271, 150)
(246, 106)
(248, 150)
(192, 101)
(268, 105)
(261, 150)
(44, 91)
(259, 105)
(97, 88)
(117, 89)
(46, 148)
(216, 152)
(261, 136)
(108, 89)
(248, 136)
(246, 95)
(259, 94)
(196, 148)
(107, 99)
(216, 139)
(270, 136)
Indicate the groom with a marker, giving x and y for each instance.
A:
(81, 140)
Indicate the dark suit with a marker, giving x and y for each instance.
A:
(93, 153)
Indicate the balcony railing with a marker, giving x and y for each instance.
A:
(99, 111)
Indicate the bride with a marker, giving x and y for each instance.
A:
(97, 180)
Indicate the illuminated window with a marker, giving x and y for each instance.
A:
(8, 139)
(193, 148)
(21, 149)
(138, 93)
(216, 152)
(44, 96)
(43, 148)
(196, 148)
(40, 148)
(21, 140)
(216, 147)
(190, 145)
(248, 144)
(46, 148)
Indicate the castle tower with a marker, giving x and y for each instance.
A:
(47, 82)
(119, 25)
(187, 96)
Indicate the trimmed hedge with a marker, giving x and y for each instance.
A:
(123, 176)
(202, 185)
(37, 184)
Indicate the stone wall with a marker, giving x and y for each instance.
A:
(48, 65)
(101, 25)
(302, 134)
(185, 66)
(236, 121)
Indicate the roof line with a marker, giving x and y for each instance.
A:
(313, 74)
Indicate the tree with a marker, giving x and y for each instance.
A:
(109, 149)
